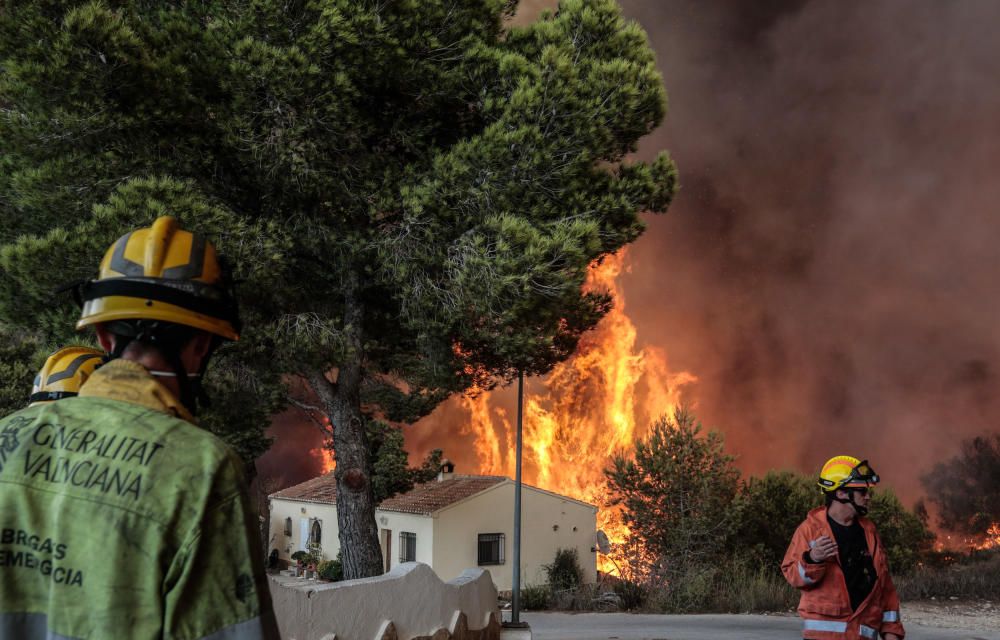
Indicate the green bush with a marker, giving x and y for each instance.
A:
(678, 489)
(332, 570)
(770, 509)
(565, 572)
(905, 535)
(631, 595)
(535, 597)
(300, 556)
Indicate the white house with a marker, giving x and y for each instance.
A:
(453, 523)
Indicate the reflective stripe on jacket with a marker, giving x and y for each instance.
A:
(825, 605)
(119, 519)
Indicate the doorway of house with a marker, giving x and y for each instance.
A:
(386, 548)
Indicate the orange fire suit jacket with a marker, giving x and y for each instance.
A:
(825, 606)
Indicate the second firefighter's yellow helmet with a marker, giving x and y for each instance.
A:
(164, 273)
(64, 372)
(845, 472)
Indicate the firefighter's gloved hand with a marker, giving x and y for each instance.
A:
(822, 549)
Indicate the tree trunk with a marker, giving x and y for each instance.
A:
(359, 544)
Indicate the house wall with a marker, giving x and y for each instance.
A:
(423, 526)
(297, 511)
(281, 508)
(548, 522)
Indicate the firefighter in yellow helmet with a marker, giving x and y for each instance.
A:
(128, 520)
(64, 372)
(164, 288)
(838, 562)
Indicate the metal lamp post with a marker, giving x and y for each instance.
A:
(515, 617)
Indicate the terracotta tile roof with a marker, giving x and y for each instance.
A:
(320, 489)
(424, 498)
(435, 495)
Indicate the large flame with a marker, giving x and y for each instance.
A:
(325, 458)
(598, 402)
(990, 540)
(324, 454)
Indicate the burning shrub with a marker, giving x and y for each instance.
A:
(966, 489)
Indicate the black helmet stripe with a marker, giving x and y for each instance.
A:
(120, 263)
(195, 264)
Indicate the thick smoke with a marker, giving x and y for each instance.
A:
(294, 456)
(829, 270)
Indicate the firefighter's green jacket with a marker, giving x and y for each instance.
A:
(121, 519)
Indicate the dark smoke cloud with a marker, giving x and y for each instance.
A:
(291, 460)
(829, 269)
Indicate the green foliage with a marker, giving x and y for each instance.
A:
(690, 588)
(747, 586)
(410, 192)
(678, 490)
(966, 488)
(391, 141)
(300, 556)
(20, 360)
(564, 572)
(905, 535)
(737, 584)
(391, 473)
(631, 595)
(535, 597)
(770, 509)
(429, 468)
(332, 570)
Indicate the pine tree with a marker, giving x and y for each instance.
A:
(679, 492)
(410, 192)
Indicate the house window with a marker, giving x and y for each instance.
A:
(491, 546)
(316, 533)
(288, 527)
(407, 546)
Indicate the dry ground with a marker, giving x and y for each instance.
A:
(953, 614)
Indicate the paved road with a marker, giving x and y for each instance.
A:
(624, 626)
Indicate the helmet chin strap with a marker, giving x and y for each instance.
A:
(859, 509)
(862, 511)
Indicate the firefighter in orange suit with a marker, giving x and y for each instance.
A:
(838, 562)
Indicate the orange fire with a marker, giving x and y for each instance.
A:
(991, 540)
(324, 454)
(325, 458)
(594, 404)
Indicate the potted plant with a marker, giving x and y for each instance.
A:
(300, 558)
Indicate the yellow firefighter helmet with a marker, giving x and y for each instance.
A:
(845, 472)
(64, 372)
(162, 273)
